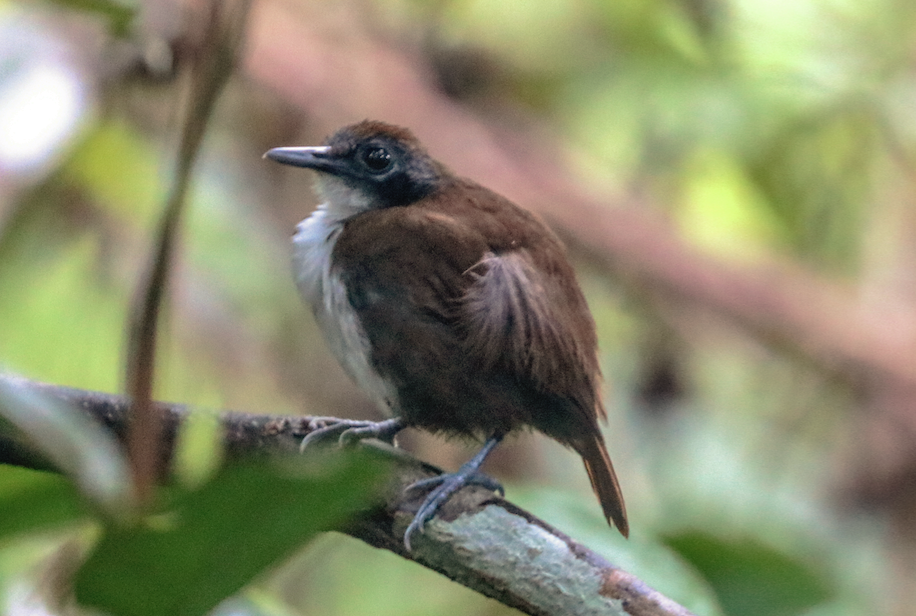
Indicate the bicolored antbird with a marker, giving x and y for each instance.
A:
(454, 309)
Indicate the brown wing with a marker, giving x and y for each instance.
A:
(523, 304)
(514, 311)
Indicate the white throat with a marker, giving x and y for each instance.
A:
(316, 236)
(339, 199)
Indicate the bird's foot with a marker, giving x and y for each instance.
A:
(350, 431)
(444, 486)
(447, 484)
(475, 479)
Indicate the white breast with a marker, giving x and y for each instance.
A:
(324, 291)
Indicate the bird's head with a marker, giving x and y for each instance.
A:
(369, 165)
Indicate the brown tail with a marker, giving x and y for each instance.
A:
(604, 481)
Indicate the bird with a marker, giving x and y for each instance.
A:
(455, 310)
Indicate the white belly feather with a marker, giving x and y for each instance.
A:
(324, 291)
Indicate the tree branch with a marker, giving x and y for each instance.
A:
(478, 539)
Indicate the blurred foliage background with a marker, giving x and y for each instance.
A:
(768, 470)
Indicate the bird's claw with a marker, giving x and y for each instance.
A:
(477, 479)
(348, 432)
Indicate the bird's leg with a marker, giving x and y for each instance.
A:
(448, 483)
(350, 431)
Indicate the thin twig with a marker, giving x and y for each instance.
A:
(210, 72)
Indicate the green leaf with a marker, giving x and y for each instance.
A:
(214, 540)
(752, 579)
(32, 500)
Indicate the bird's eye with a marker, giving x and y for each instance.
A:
(376, 159)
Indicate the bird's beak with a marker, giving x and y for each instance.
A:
(310, 157)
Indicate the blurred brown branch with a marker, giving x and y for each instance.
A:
(335, 80)
(336, 75)
(477, 553)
